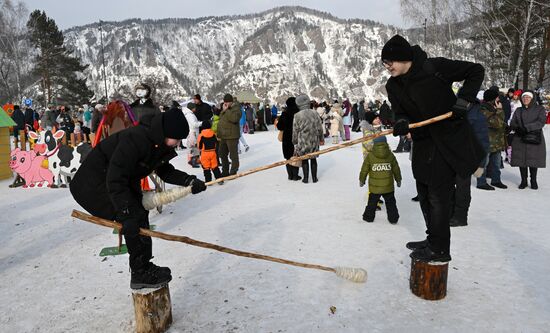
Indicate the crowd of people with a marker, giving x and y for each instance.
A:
(444, 155)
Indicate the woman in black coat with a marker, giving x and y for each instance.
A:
(284, 124)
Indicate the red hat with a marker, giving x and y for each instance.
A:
(518, 92)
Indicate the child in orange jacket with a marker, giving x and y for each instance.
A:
(207, 144)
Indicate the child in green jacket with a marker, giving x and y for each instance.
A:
(382, 167)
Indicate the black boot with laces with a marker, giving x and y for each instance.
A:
(150, 276)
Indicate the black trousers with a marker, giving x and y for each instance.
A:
(435, 202)
(391, 207)
(140, 248)
(461, 198)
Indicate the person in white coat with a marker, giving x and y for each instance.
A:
(194, 124)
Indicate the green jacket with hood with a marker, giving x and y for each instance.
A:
(382, 168)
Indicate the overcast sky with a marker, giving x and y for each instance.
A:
(69, 13)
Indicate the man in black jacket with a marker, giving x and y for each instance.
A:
(107, 184)
(203, 111)
(418, 89)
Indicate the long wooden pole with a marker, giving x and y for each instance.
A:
(328, 150)
(184, 239)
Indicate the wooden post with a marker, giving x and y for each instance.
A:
(153, 310)
(73, 141)
(429, 280)
(22, 139)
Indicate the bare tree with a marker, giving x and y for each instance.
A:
(14, 48)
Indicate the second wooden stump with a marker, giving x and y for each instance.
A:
(429, 280)
(153, 310)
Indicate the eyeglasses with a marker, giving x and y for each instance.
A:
(387, 63)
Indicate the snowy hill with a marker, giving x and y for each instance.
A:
(54, 281)
(277, 53)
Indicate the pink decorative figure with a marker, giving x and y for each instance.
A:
(29, 166)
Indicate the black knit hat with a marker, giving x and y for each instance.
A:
(370, 116)
(490, 95)
(174, 124)
(397, 48)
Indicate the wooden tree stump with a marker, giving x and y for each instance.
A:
(429, 280)
(153, 310)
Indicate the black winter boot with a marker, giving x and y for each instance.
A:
(289, 171)
(523, 172)
(533, 173)
(314, 170)
(295, 173)
(151, 276)
(417, 245)
(305, 170)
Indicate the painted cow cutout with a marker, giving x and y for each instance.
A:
(29, 166)
(63, 160)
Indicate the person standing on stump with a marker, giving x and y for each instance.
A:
(107, 184)
(421, 88)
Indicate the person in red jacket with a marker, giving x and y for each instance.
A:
(207, 143)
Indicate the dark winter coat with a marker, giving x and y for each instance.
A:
(361, 110)
(448, 147)
(496, 126)
(96, 119)
(285, 123)
(307, 132)
(30, 116)
(144, 109)
(525, 154)
(385, 113)
(479, 125)
(506, 107)
(382, 168)
(228, 125)
(109, 180)
(19, 118)
(65, 122)
(249, 113)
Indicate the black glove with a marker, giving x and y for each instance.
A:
(398, 183)
(401, 127)
(131, 219)
(521, 131)
(197, 186)
(460, 109)
(189, 180)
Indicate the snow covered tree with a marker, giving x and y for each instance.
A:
(14, 50)
(60, 72)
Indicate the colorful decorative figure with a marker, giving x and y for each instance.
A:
(62, 160)
(29, 166)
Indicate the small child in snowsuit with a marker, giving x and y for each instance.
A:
(207, 143)
(382, 167)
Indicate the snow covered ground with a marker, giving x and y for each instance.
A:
(53, 279)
